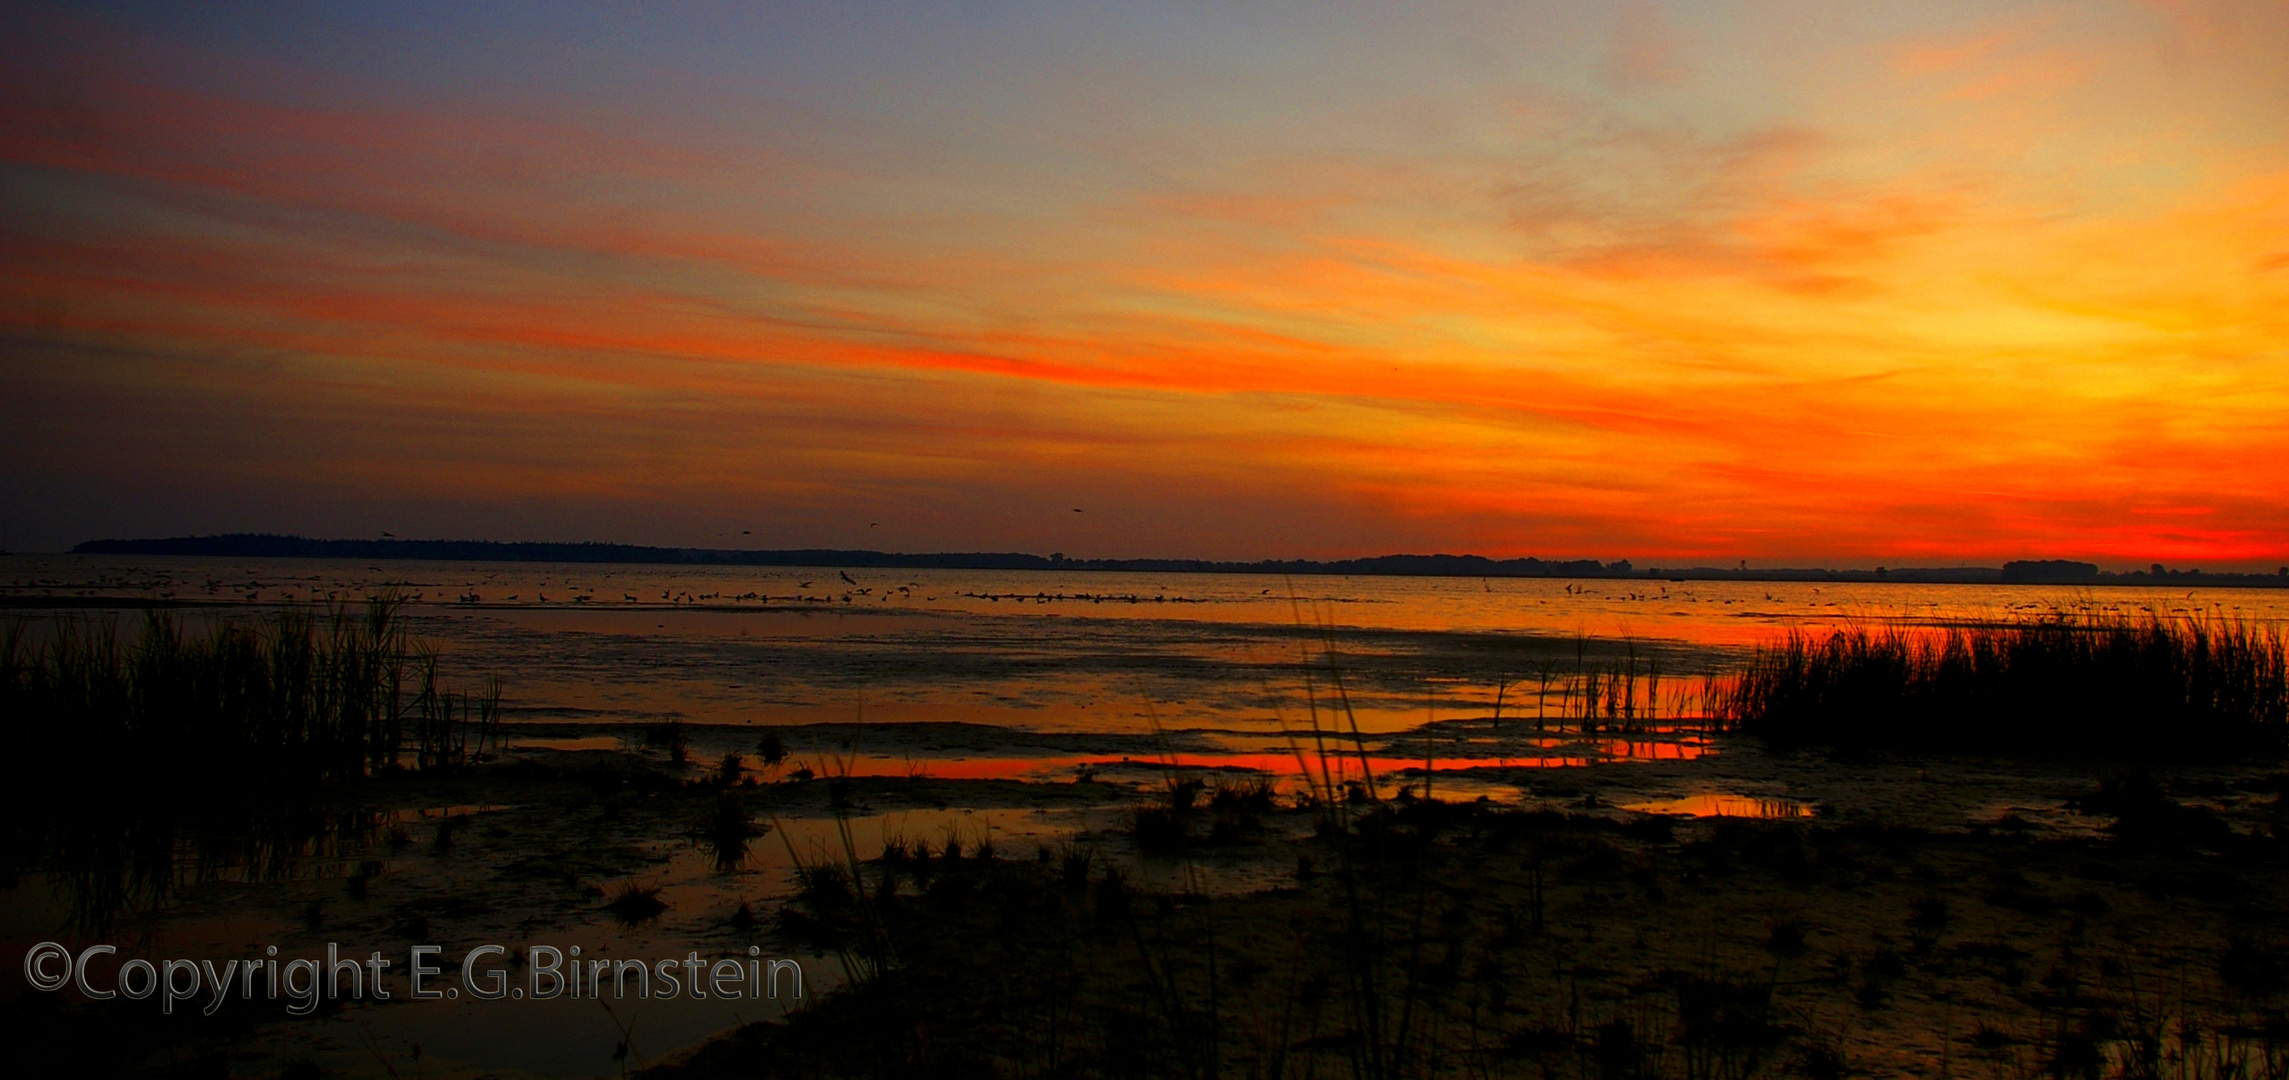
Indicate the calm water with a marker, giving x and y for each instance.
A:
(1038, 675)
(1069, 652)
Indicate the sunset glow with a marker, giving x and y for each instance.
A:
(1918, 284)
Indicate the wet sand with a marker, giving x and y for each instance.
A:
(1019, 714)
(2136, 938)
(2037, 884)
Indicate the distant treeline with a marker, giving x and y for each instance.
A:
(297, 547)
(2051, 572)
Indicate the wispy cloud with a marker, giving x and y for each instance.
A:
(1942, 305)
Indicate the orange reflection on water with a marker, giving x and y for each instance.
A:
(1338, 765)
(985, 768)
(1712, 804)
(585, 742)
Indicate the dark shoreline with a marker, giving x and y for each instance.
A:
(2033, 572)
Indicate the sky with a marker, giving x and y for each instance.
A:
(1798, 283)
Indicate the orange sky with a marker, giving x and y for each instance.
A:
(1672, 283)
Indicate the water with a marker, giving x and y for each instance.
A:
(1060, 652)
(967, 676)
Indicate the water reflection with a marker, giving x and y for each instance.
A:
(1715, 804)
(128, 858)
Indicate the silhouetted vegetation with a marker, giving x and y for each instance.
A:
(1424, 938)
(635, 902)
(726, 831)
(1415, 955)
(141, 763)
(2064, 686)
(292, 699)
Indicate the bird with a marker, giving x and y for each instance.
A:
(845, 577)
(391, 535)
(872, 524)
(746, 532)
(1076, 509)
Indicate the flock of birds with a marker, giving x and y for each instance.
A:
(674, 597)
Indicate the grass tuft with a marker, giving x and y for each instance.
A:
(633, 903)
(2063, 686)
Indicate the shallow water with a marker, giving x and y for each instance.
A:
(1463, 685)
(1719, 805)
(1056, 651)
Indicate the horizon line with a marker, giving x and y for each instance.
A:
(2053, 571)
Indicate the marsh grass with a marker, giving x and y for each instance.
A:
(297, 698)
(635, 903)
(2097, 685)
(1626, 692)
(835, 909)
(1418, 941)
(141, 762)
(1058, 967)
(1427, 961)
(726, 830)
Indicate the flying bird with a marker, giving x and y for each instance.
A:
(845, 577)
(1076, 509)
(391, 535)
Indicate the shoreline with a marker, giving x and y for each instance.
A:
(2035, 572)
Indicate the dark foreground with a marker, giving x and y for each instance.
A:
(2131, 927)
(1431, 939)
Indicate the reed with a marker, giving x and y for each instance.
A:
(2103, 685)
(296, 698)
(1383, 988)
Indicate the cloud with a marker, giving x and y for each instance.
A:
(1647, 50)
(1513, 316)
